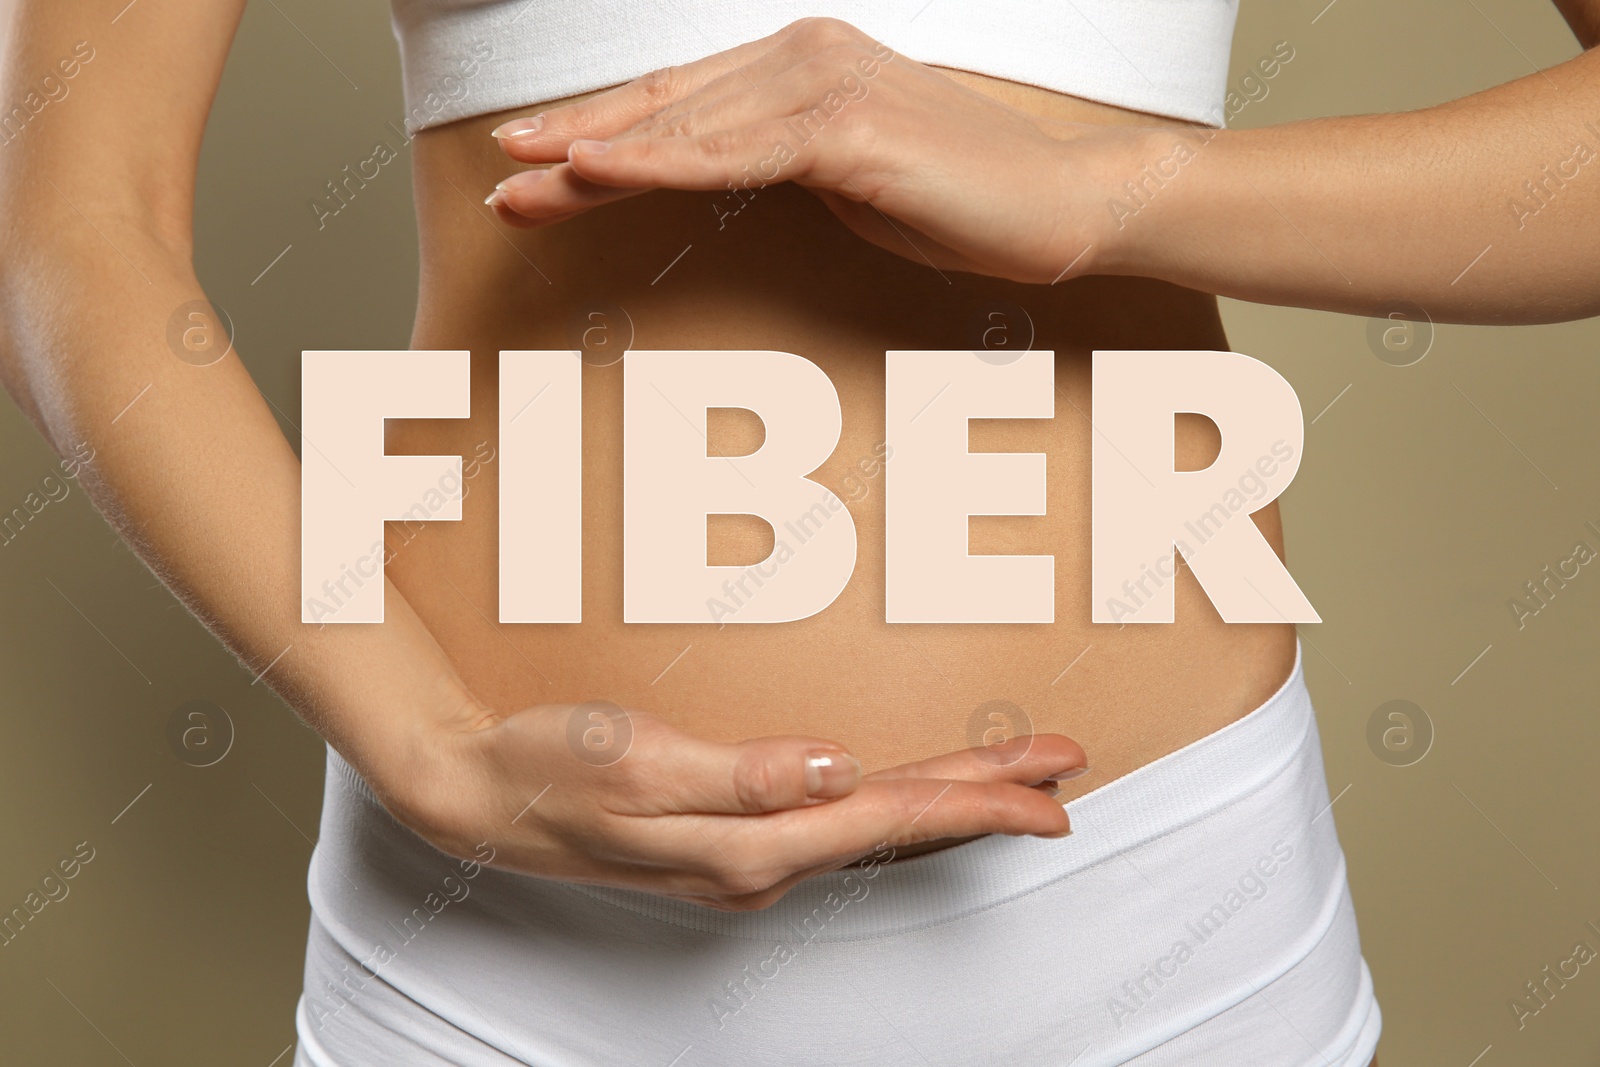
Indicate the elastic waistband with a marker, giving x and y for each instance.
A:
(1159, 798)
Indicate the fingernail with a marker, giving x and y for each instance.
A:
(1067, 776)
(1048, 789)
(521, 180)
(518, 128)
(1057, 834)
(496, 198)
(830, 773)
(588, 147)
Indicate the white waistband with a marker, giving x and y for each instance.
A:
(1157, 799)
(1151, 936)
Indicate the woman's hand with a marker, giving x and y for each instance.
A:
(908, 158)
(598, 795)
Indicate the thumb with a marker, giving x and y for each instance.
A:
(759, 775)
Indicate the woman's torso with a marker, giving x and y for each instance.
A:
(672, 270)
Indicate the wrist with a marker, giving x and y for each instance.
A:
(406, 747)
(1132, 187)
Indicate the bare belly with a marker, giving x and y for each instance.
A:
(670, 270)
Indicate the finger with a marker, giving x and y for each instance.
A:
(569, 187)
(753, 854)
(778, 131)
(543, 138)
(908, 811)
(497, 201)
(766, 774)
(1025, 760)
(696, 161)
(759, 154)
(548, 195)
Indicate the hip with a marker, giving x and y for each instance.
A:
(1198, 914)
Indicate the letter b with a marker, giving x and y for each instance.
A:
(670, 484)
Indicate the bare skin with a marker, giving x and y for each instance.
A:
(435, 711)
(730, 825)
(891, 694)
(404, 705)
(987, 191)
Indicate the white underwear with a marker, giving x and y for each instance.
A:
(1198, 914)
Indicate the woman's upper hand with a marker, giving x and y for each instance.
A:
(907, 157)
(598, 795)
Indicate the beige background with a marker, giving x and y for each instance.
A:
(1429, 495)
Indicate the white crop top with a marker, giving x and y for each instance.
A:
(470, 57)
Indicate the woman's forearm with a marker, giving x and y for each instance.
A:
(188, 463)
(1481, 210)
(1485, 209)
(190, 467)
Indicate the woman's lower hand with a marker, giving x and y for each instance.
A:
(907, 157)
(597, 795)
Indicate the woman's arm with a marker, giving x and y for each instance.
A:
(97, 191)
(1484, 209)
(191, 468)
(1481, 210)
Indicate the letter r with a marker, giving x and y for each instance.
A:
(1142, 506)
